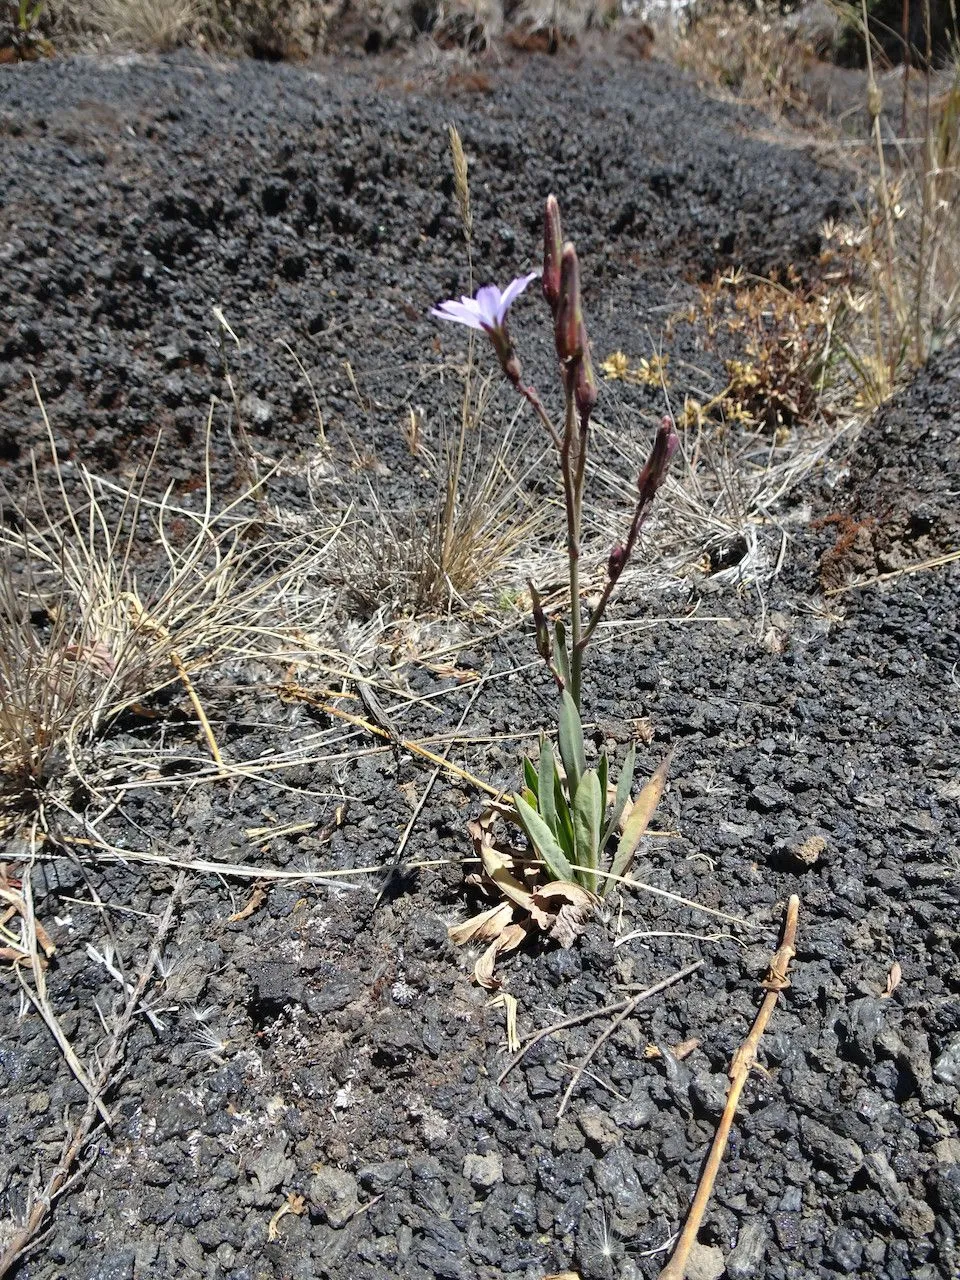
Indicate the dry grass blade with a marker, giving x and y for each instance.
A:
(936, 562)
(31, 960)
(418, 808)
(603, 1012)
(295, 693)
(629, 883)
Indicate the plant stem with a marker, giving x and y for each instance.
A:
(530, 395)
(573, 498)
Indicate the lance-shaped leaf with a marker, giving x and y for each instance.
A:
(547, 788)
(564, 817)
(624, 783)
(571, 743)
(587, 817)
(530, 775)
(543, 840)
(640, 815)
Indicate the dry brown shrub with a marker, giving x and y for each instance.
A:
(784, 332)
(751, 53)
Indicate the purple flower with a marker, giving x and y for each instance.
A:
(488, 310)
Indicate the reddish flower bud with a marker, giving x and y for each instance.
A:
(552, 253)
(569, 316)
(655, 472)
(585, 391)
(618, 558)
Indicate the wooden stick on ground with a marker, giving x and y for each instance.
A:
(741, 1066)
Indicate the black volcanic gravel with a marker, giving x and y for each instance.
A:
(313, 1049)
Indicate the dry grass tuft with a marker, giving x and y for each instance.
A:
(909, 244)
(107, 598)
(145, 24)
(437, 557)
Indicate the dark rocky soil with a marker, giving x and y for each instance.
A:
(315, 1048)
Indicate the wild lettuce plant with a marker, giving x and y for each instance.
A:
(569, 812)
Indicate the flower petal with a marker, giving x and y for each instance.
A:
(460, 312)
(514, 290)
(490, 307)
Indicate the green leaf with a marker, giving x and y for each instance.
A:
(564, 817)
(603, 773)
(624, 783)
(542, 839)
(561, 661)
(530, 776)
(571, 743)
(546, 787)
(587, 816)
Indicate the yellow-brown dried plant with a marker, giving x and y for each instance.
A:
(783, 335)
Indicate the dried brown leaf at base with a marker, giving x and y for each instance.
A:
(558, 909)
(561, 909)
(498, 862)
(488, 924)
(510, 938)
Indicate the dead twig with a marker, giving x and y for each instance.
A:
(625, 1013)
(740, 1067)
(618, 1007)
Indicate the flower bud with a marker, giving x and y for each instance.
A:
(540, 623)
(585, 390)
(654, 473)
(569, 316)
(503, 346)
(552, 253)
(618, 558)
